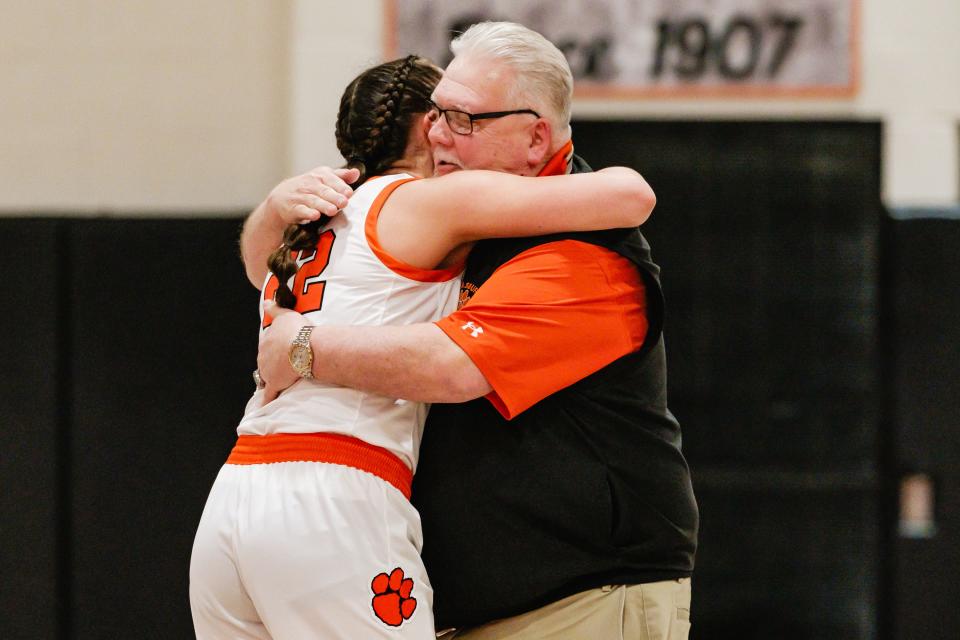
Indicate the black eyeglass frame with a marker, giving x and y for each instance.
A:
(487, 115)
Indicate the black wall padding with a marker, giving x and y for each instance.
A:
(768, 235)
(164, 333)
(30, 498)
(785, 564)
(924, 290)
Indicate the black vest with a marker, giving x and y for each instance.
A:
(586, 488)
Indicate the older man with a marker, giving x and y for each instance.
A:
(555, 500)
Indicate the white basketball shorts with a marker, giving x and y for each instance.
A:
(294, 550)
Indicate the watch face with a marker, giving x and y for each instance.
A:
(300, 359)
(301, 354)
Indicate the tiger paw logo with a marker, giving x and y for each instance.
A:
(392, 602)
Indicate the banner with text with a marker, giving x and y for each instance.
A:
(663, 47)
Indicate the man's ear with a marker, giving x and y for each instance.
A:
(541, 136)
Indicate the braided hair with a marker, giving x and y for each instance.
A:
(377, 110)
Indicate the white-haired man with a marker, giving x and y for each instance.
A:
(554, 497)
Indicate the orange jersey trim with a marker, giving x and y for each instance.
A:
(548, 318)
(332, 448)
(394, 264)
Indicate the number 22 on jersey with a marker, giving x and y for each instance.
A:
(307, 285)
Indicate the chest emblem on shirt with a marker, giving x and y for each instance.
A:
(392, 599)
(467, 290)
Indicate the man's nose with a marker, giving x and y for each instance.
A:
(439, 133)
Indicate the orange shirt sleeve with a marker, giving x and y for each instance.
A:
(549, 317)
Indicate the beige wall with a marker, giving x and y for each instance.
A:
(333, 41)
(158, 106)
(178, 107)
(910, 81)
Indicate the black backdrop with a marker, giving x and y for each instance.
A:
(922, 349)
(129, 345)
(768, 235)
(128, 355)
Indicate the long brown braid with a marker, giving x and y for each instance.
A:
(377, 110)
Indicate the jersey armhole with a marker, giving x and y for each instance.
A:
(395, 264)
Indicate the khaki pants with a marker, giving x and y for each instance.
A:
(652, 611)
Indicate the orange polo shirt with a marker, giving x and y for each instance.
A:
(550, 317)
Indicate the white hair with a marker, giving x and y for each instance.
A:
(543, 76)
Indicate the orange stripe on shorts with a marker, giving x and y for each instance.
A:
(333, 448)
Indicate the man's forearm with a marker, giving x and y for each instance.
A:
(262, 233)
(415, 362)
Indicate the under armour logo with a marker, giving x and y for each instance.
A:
(474, 329)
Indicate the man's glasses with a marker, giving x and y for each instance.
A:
(461, 122)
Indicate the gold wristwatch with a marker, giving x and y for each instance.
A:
(301, 353)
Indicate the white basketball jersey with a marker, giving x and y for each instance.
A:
(350, 280)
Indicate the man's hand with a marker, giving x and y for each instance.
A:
(297, 200)
(304, 198)
(273, 357)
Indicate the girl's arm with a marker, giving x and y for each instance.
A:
(425, 220)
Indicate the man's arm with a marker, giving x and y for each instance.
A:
(545, 319)
(297, 200)
(415, 362)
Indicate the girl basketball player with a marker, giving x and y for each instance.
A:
(308, 531)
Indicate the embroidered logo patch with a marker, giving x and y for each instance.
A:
(466, 292)
(392, 602)
(475, 330)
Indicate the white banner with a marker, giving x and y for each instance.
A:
(663, 47)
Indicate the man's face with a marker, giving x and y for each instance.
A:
(500, 144)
